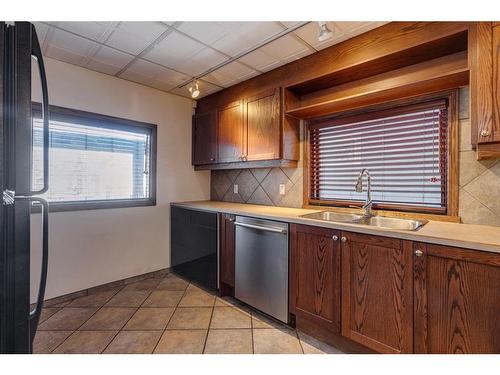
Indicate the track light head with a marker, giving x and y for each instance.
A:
(324, 32)
(194, 90)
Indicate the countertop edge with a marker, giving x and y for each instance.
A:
(404, 235)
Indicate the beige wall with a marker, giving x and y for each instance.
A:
(89, 248)
(479, 201)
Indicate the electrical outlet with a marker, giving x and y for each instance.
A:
(235, 189)
(282, 189)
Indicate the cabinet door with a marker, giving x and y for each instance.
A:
(204, 139)
(315, 276)
(457, 300)
(230, 133)
(262, 114)
(226, 254)
(377, 292)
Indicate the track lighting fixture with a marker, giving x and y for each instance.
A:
(324, 32)
(194, 89)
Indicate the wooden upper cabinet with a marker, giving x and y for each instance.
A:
(204, 138)
(315, 276)
(230, 132)
(484, 89)
(262, 115)
(457, 300)
(377, 292)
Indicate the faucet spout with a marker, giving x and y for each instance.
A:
(367, 207)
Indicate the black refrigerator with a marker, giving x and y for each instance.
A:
(18, 318)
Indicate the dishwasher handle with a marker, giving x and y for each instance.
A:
(260, 227)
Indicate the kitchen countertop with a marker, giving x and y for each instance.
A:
(469, 236)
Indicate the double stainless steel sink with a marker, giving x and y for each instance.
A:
(374, 221)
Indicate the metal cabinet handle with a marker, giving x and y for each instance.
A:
(335, 237)
(343, 239)
(260, 227)
(485, 133)
(419, 253)
(212, 159)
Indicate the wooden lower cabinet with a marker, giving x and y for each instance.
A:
(315, 276)
(372, 293)
(377, 292)
(457, 300)
(226, 254)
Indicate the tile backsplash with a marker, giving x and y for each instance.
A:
(479, 198)
(259, 186)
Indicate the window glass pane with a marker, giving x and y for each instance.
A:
(89, 163)
(404, 152)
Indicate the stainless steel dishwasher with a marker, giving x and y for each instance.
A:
(261, 265)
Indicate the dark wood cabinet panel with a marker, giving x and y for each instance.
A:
(226, 254)
(315, 276)
(262, 115)
(457, 300)
(377, 292)
(204, 138)
(230, 132)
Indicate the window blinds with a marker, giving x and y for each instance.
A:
(91, 163)
(404, 149)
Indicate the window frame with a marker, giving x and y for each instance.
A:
(451, 212)
(98, 120)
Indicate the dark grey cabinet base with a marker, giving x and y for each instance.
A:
(193, 245)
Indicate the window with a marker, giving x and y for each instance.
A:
(405, 150)
(95, 161)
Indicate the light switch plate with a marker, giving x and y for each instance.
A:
(282, 189)
(235, 189)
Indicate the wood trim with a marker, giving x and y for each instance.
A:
(248, 164)
(453, 155)
(488, 151)
(481, 257)
(420, 300)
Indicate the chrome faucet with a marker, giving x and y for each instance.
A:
(367, 207)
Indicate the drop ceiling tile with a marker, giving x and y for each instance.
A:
(70, 48)
(108, 60)
(206, 88)
(184, 54)
(260, 61)
(286, 49)
(97, 31)
(153, 75)
(134, 37)
(245, 35)
(289, 24)
(230, 74)
(206, 32)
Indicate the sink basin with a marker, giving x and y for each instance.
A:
(374, 221)
(334, 216)
(393, 223)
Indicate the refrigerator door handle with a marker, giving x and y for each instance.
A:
(36, 51)
(35, 314)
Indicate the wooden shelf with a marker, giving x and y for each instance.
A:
(430, 76)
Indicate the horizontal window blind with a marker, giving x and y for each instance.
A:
(91, 163)
(404, 150)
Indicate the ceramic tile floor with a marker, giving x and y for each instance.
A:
(165, 315)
